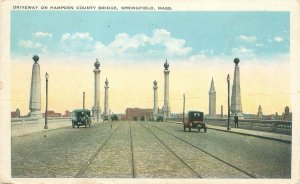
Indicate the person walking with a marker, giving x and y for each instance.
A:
(236, 121)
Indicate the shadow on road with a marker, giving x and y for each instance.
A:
(193, 131)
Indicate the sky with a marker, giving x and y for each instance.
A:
(132, 48)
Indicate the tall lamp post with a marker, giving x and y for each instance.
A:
(228, 83)
(46, 112)
(83, 100)
(183, 108)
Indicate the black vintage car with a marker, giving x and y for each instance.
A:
(194, 120)
(81, 117)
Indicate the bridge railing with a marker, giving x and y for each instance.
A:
(276, 126)
(17, 123)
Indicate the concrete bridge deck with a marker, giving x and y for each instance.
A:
(147, 150)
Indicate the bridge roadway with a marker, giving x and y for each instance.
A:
(147, 150)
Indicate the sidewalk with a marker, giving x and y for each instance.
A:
(260, 134)
(265, 135)
(21, 131)
(28, 129)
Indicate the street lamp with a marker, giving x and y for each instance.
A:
(83, 100)
(46, 114)
(183, 108)
(228, 83)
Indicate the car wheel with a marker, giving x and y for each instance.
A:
(189, 129)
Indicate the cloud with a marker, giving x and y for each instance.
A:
(141, 46)
(32, 46)
(278, 39)
(76, 36)
(42, 34)
(28, 44)
(124, 42)
(77, 42)
(243, 51)
(259, 45)
(249, 39)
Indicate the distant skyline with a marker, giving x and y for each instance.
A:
(132, 47)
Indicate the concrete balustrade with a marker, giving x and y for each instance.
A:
(23, 126)
(276, 126)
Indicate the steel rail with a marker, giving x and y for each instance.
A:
(170, 150)
(206, 152)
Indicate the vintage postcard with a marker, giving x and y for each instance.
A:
(149, 92)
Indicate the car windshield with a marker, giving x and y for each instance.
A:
(196, 116)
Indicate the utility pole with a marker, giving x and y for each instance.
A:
(228, 83)
(183, 108)
(83, 100)
(46, 111)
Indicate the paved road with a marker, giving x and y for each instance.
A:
(147, 150)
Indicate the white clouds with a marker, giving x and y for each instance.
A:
(278, 39)
(42, 34)
(76, 36)
(243, 51)
(77, 42)
(124, 42)
(259, 45)
(31, 45)
(25, 43)
(28, 44)
(161, 37)
(249, 39)
(159, 44)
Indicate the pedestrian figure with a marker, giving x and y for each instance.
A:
(110, 126)
(236, 121)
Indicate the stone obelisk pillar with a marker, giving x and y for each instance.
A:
(166, 107)
(260, 114)
(221, 111)
(212, 99)
(155, 100)
(106, 107)
(236, 104)
(96, 107)
(35, 91)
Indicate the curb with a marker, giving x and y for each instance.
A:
(259, 136)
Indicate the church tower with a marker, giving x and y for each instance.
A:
(212, 99)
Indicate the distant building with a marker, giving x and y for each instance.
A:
(15, 114)
(67, 114)
(121, 117)
(287, 116)
(52, 114)
(260, 114)
(137, 114)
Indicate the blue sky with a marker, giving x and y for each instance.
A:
(150, 34)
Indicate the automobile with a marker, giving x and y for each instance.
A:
(105, 118)
(195, 121)
(81, 117)
(114, 117)
(159, 119)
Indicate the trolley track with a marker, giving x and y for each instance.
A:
(133, 169)
(202, 150)
(171, 151)
(91, 159)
